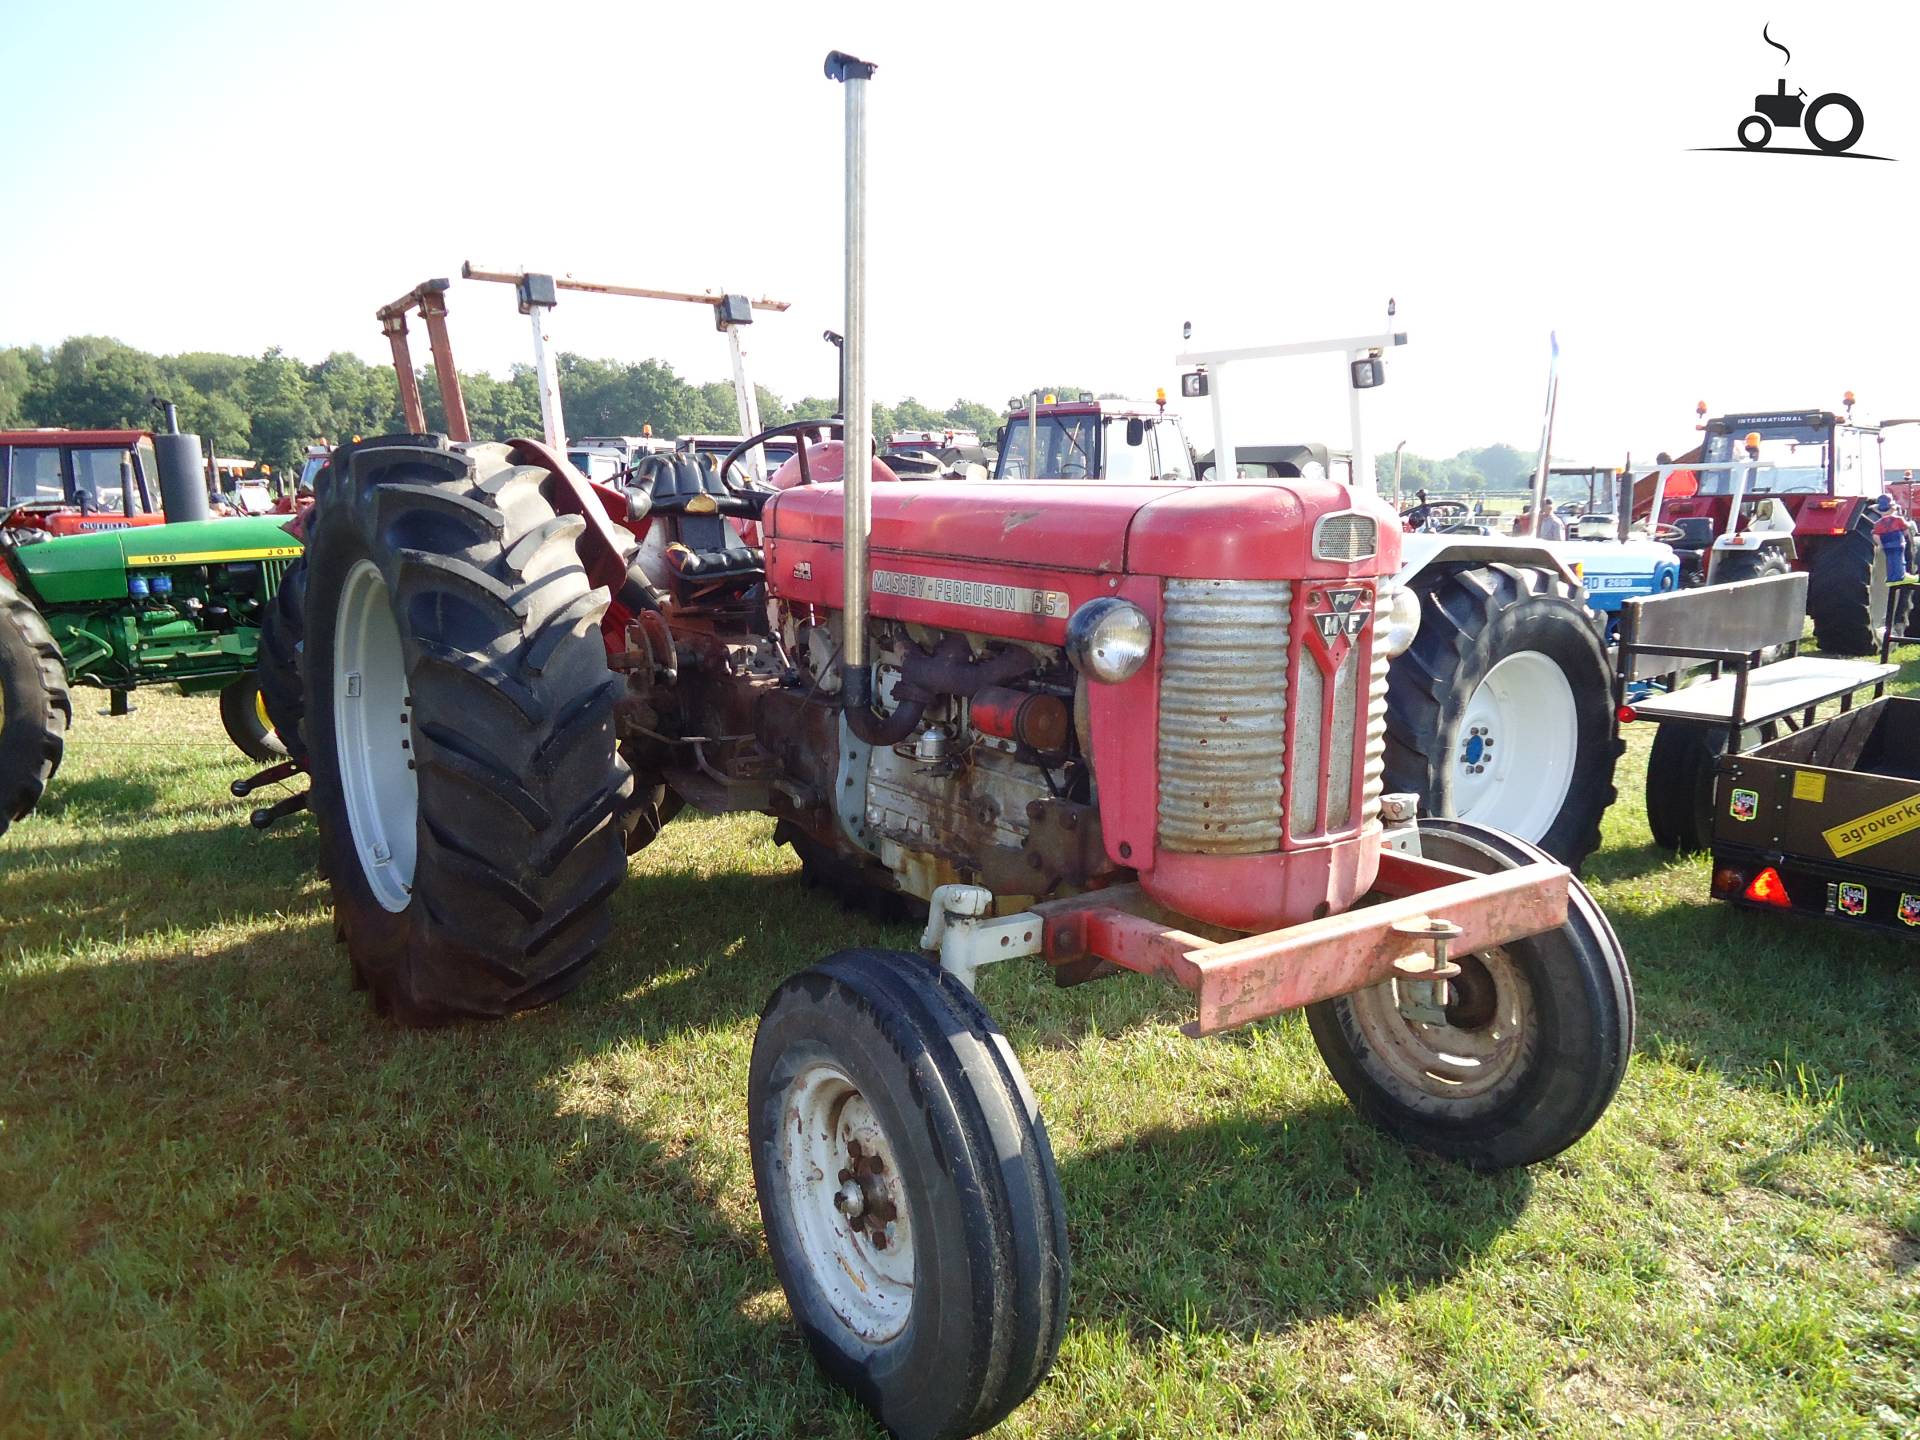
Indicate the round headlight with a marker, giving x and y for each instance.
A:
(1108, 639)
(1403, 621)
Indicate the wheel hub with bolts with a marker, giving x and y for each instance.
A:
(843, 1189)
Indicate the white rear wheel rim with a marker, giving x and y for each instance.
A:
(848, 1205)
(374, 736)
(1512, 761)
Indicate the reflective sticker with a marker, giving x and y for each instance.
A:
(1746, 804)
(1853, 899)
(1910, 909)
(1810, 785)
(1875, 826)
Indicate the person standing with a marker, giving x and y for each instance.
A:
(1551, 526)
(1892, 530)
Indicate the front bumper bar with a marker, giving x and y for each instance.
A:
(1251, 977)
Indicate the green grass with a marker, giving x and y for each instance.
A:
(233, 1202)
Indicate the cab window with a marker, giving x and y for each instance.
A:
(1175, 462)
(33, 474)
(96, 478)
(1128, 464)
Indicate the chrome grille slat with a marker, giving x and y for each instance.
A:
(1223, 713)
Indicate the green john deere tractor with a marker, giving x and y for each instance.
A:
(170, 604)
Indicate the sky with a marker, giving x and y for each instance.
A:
(1055, 190)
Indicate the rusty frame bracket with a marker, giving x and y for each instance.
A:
(429, 297)
(1238, 981)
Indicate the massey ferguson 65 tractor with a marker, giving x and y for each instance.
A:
(1110, 726)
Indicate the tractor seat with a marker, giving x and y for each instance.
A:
(704, 546)
(681, 484)
(1696, 532)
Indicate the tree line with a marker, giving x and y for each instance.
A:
(270, 407)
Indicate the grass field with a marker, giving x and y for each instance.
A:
(233, 1202)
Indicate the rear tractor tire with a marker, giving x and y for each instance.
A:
(283, 631)
(908, 1191)
(36, 708)
(1840, 587)
(243, 711)
(459, 711)
(1501, 711)
(1534, 1044)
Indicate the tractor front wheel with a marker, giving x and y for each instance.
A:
(908, 1191)
(459, 712)
(243, 711)
(36, 708)
(1533, 1043)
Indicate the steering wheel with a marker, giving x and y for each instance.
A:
(1073, 469)
(806, 431)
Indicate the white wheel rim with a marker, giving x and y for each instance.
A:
(1512, 760)
(371, 727)
(848, 1206)
(1461, 1061)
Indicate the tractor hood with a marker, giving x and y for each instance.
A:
(79, 568)
(1245, 530)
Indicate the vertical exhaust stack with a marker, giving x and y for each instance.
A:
(856, 666)
(183, 470)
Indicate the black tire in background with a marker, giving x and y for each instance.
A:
(242, 710)
(1749, 565)
(510, 705)
(36, 708)
(1575, 992)
(1840, 575)
(283, 631)
(1680, 782)
(913, 1062)
(1471, 618)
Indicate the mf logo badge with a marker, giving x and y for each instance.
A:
(1910, 909)
(1746, 804)
(1853, 899)
(1339, 617)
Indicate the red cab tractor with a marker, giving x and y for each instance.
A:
(1780, 490)
(1108, 726)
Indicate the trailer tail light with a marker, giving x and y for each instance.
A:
(1769, 889)
(1626, 714)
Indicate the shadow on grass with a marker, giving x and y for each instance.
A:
(1254, 1224)
(97, 795)
(125, 882)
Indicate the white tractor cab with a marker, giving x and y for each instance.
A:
(1499, 709)
(1122, 441)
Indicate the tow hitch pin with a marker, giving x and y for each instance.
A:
(1423, 991)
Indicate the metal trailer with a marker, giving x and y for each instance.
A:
(1741, 764)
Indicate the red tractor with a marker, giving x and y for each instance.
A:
(1780, 490)
(76, 482)
(1114, 726)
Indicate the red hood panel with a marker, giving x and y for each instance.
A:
(1062, 527)
(1212, 531)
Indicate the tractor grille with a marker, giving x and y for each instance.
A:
(272, 572)
(1223, 715)
(1345, 536)
(1358, 732)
